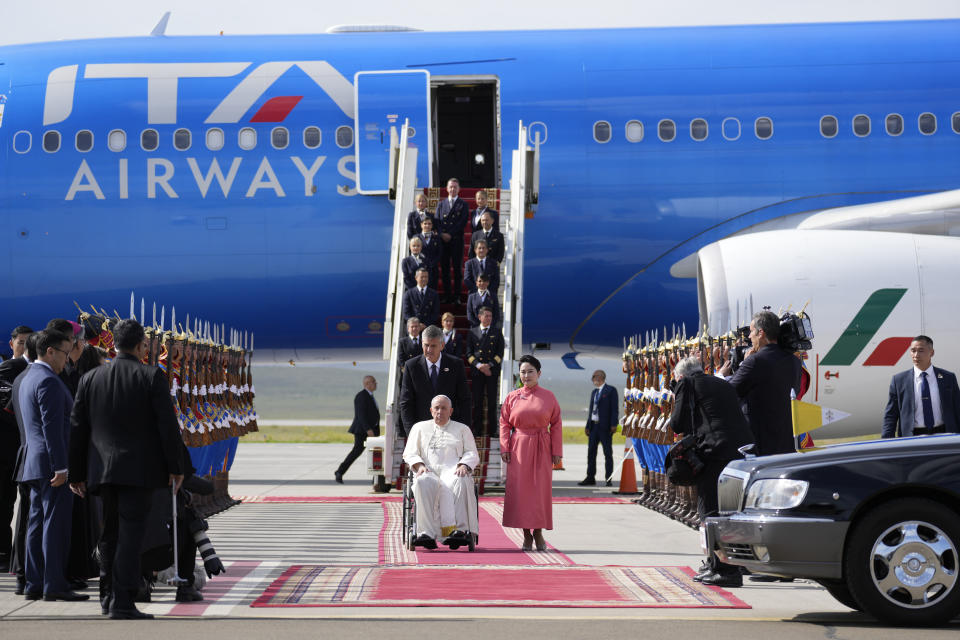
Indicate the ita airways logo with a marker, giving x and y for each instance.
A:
(861, 330)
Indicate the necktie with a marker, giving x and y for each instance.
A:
(927, 402)
(483, 264)
(433, 376)
(483, 335)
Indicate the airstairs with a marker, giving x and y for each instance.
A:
(384, 453)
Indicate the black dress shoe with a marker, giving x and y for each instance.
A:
(587, 482)
(129, 614)
(21, 586)
(425, 541)
(78, 585)
(66, 596)
(188, 593)
(723, 580)
(456, 539)
(35, 595)
(338, 477)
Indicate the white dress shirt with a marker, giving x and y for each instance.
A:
(934, 397)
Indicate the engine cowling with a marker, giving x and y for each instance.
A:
(868, 293)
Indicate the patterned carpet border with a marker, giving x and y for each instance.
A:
(504, 586)
(399, 498)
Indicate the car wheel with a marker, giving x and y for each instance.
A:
(902, 563)
(841, 593)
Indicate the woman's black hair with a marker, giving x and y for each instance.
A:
(533, 362)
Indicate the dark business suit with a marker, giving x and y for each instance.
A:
(9, 446)
(366, 416)
(485, 350)
(44, 404)
(490, 268)
(451, 219)
(431, 251)
(408, 348)
(417, 391)
(763, 383)
(709, 407)
(475, 301)
(600, 431)
(425, 306)
(454, 344)
(414, 222)
(125, 443)
(18, 555)
(494, 243)
(475, 218)
(899, 418)
(409, 267)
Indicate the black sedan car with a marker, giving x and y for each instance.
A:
(876, 523)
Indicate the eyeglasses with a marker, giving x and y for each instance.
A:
(66, 353)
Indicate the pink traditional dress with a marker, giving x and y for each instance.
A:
(530, 429)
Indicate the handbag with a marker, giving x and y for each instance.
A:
(684, 464)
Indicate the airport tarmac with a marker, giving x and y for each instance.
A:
(259, 540)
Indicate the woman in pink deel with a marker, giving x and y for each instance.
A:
(531, 441)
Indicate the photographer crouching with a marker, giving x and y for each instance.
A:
(708, 408)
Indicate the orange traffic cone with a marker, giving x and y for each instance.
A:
(628, 472)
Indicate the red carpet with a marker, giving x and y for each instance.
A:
(502, 586)
(395, 497)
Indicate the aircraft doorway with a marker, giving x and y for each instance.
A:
(466, 123)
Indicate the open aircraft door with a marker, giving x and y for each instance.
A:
(384, 99)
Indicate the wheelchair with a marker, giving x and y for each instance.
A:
(410, 517)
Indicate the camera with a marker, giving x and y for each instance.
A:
(796, 332)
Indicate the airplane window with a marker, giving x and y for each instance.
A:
(861, 125)
(117, 140)
(181, 139)
(928, 123)
(411, 132)
(84, 140)
(763, 127)
(344, 137)
(698, 129)
(22, 141)
(51, 141)
(828, 126)
(247, 138)
(894, 124)
(601, 131)
(955, 122)
(731, 128)
(666, 130)
(311, 137)
(149, 140)
(280, 138)
(634, 131)
(215, 139)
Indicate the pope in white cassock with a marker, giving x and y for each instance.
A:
(442, 454)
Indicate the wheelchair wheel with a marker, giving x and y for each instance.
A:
(472, 544)
(411, 537)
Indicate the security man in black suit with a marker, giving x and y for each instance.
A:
(923, 399)
(366, 422)
(415, 218)
(452, 216)
(9, 440)
(422, 301)
(125, 442)
(601, 425)
(484, 354)
(708, 407)
(482, 208)
(763, 382)
(429, 375)
(409, 346)
(493, 237)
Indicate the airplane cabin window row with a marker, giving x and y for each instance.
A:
(150, 139)
(730, 128)
(893, 124)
